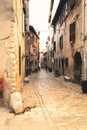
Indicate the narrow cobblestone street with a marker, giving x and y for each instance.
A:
(52, 104)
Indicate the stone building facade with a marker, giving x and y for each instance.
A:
(12, 47)
(84, 37)
(68, 39)
(34, 50)
(27, 36)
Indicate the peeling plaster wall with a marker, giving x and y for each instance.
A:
(84, 36)
(68, 49)
(11, 29)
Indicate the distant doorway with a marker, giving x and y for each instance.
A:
(63, 66)
(77, 67)
(26, 66)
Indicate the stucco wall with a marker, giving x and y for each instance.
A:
(68, 49)
(5, 10)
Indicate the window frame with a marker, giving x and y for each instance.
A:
(72, 37)
(61, 42)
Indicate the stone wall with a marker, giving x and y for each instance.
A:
(11, 28)
(69, 49)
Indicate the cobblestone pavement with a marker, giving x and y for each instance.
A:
(52, 104)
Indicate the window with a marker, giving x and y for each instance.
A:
(72, 32)
(59, 62)
(68, 6)
(54, 46)
(62, 60)
(66, 62)
(61, 42)
(72, 4)
(63, 13)
(26, 61)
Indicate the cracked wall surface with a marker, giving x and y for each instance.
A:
(11, 29)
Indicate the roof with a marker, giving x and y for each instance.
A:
(50, 12)
(58, 11)
(31, 28)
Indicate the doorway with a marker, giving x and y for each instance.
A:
(77, 67)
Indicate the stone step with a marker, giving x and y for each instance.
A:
(26, 79)
(66, 78)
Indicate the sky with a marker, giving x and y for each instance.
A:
(38, 18)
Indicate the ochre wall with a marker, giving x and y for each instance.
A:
(11, 28)
(68, 49)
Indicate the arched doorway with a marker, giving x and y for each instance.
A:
(77, 67)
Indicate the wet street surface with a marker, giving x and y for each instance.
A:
(50, 103)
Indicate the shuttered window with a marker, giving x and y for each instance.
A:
(54, 46)
(61, 42)
(72, 32)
